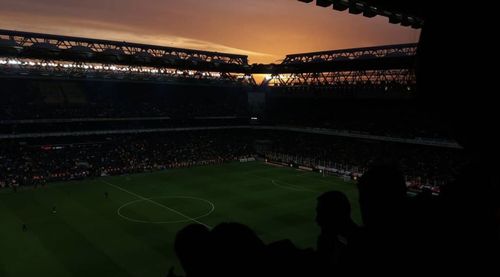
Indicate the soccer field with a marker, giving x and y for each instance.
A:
(131, 233)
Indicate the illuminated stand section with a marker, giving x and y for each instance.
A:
(31, 54)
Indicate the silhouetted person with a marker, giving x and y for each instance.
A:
(384, 241)
(285, 259)
(106, 195)
(333, 216)
(237, 251)
(25, 228)
(382, 196)
(192, 247)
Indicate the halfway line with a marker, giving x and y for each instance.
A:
(156, 203)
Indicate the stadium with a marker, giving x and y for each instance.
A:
(134, 159)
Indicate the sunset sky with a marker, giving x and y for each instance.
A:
(266, 30)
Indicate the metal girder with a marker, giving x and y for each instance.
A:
(369, 67)
(400, 56)
(342, 79)
(43, 46)
(387, 51)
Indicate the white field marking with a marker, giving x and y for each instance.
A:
(288, 185)
(212, 209)
(156, 203)
(316, 179)
(303, 173)
(292, 187)
(308, 174)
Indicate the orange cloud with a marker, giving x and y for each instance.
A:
(266, 30)
(103, 30)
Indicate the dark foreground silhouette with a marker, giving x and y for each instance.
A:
(459, 230)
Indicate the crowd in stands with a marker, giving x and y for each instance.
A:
(117, 125)
(384, 117)
(33, 99)
(422, 165)
(53, 159)
(76, 158)
(184, 104)
(117, 110)
(31, 106)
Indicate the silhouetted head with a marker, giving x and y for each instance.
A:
(237, 249)
(192, 246)
(333, 211)
(382, 195)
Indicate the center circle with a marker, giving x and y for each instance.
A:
(211, 209)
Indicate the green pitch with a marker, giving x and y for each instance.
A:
(131, 233)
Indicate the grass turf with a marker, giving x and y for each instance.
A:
(87, 236)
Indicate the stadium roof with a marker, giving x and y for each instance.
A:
(407, 13)
(51, 37)
(47, 47)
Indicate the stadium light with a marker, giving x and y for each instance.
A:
(370, 12)
(395, 18)
(340, 5)
(407, 21)
(323, 3)
(14, 62)
(356, 8)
